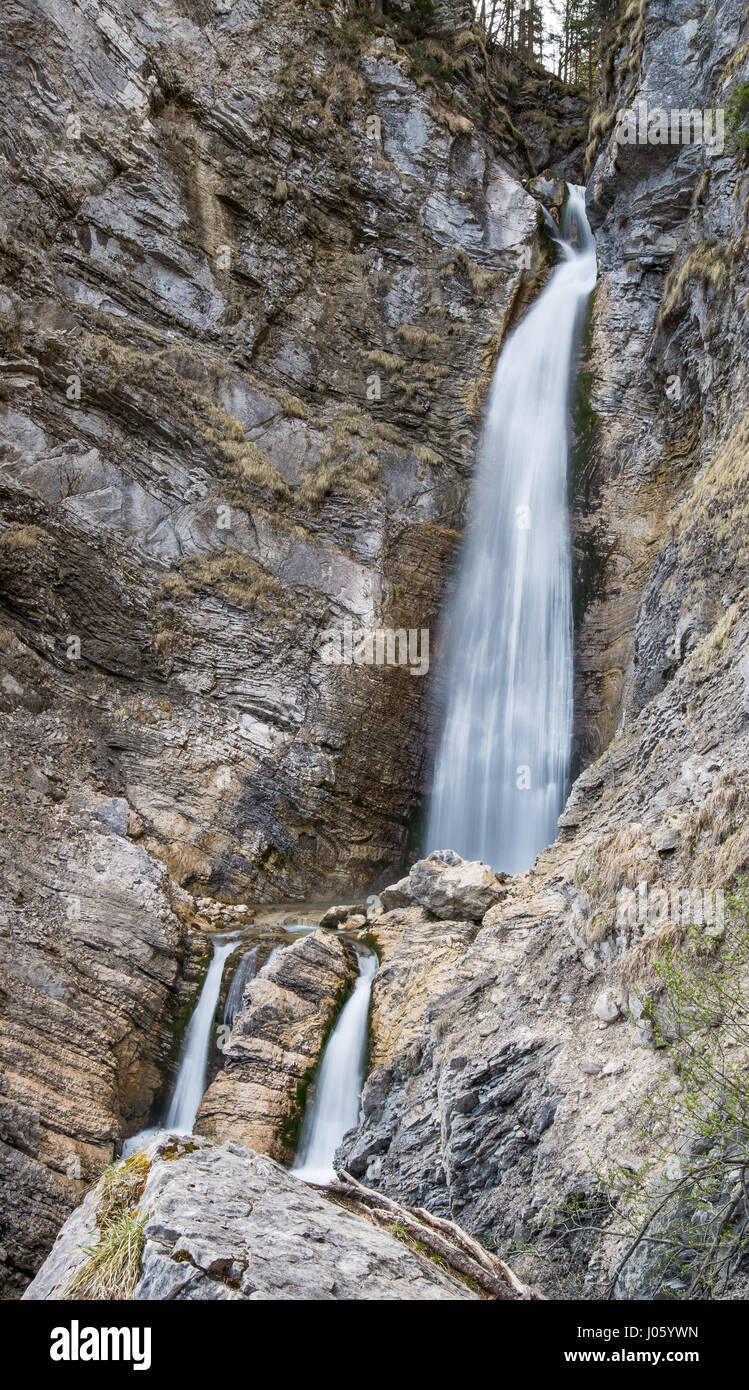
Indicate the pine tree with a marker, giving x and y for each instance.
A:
(564, 31)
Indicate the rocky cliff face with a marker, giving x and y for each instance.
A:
(252, 224)
(256, 261)
(251, 273)
(666, 361)
(90, 947)
(515, 1087)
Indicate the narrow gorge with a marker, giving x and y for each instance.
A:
(374, 689)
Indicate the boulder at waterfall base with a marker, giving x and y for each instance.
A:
(447, 886)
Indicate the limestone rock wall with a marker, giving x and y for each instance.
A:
(218, 226)
(528, 1075)
(226, 234)
(666, 385)
(90, 949)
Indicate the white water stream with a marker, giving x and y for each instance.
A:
(193, 1058)
(245, 971)
(334, 1108)
(193, 1063)
(502, 767)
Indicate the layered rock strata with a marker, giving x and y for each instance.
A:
(90, 948)
(255, 267)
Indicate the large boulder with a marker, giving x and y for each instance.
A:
(224, 1223)
(343, 912)
(452, 888)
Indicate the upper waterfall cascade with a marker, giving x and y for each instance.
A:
(502, 767)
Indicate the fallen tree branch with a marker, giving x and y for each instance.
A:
(443, 1238)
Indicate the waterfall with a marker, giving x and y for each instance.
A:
(335, 1105)
(193, 1057)
(193, 1061)
(502, 765)
(244, 972)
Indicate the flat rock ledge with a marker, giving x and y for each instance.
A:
(226, 1223)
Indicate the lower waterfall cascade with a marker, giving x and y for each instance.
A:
(193, 1059)
(191, 1077)
(334, 1107)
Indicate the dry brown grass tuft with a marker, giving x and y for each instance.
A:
(707, 264)
(719, 498)
(479, 279)
(638, 966)
(21, 537)
(625, 859)
(456, 123)
(389, 361)
(417, 338)
(112, 1266)
(241, 580)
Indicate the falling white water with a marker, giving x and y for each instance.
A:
(244, 972)
(335, 1105)
(193, 1058)
(193, 1062)
(503, 761)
